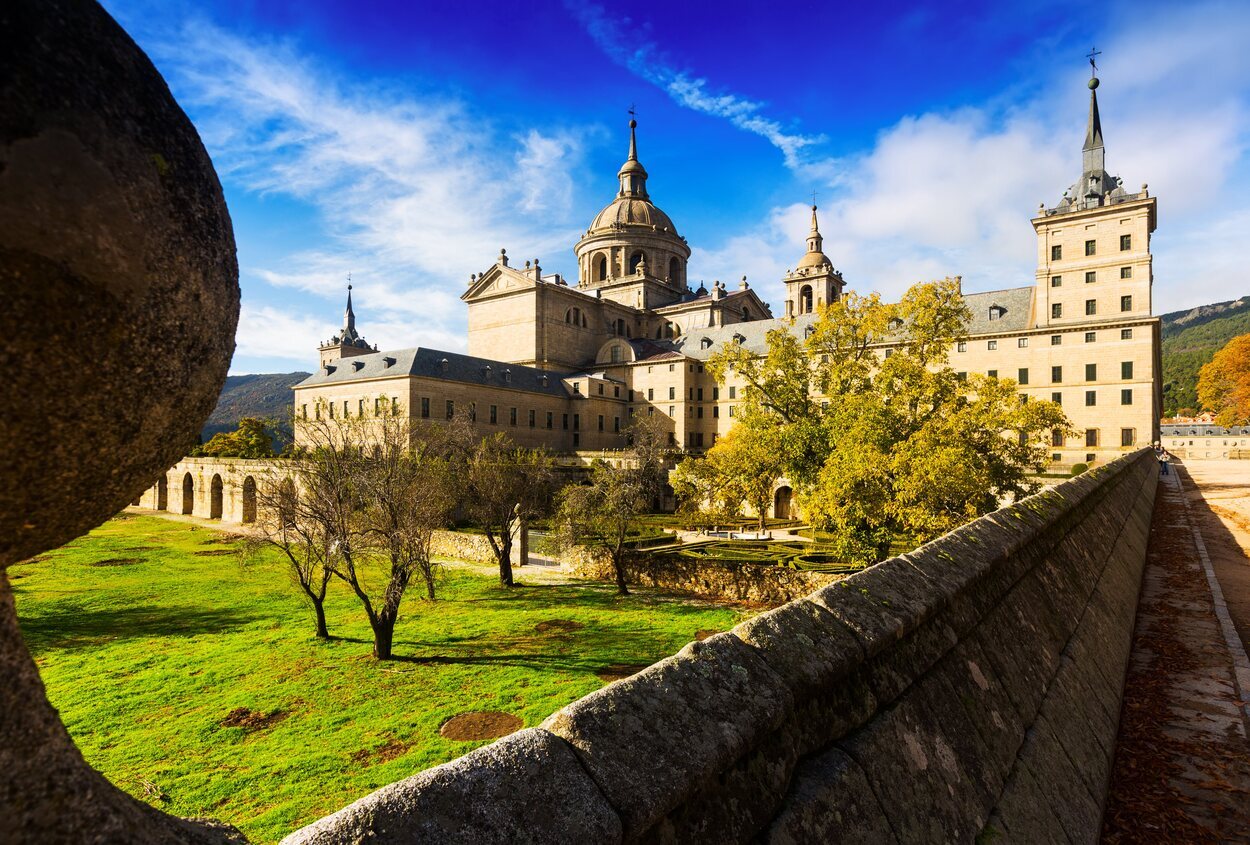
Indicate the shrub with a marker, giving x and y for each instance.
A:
(1077, 469)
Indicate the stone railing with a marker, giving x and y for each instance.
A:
(968, 690)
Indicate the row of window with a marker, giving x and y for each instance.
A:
(381, 406)
(1128, 437)
(1091, 276)
(1091, 247)
(1056, 373)
(1055, 340)
(695, 394)
(1091, 307)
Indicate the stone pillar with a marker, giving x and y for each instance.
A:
(521, 543)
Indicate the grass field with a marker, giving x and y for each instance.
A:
(150, 633)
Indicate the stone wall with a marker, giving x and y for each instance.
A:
(771, 585)
(458, 545)
(969, 690)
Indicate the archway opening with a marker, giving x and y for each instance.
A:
(601, 269)
(188, 493)
(674, 271)
(634, 261)
(214, 500)
(805, 300)
(781, 503)
(249, 499)
(162, 494)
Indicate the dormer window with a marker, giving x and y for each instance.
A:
(507, 375)
(358, 365)
(997, 311)
(444, 363)
(739, 339)
(896, 324)
(388, 361)
(705, 343)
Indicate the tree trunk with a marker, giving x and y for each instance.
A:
(427, 573)
(323, 633)
(383, 634)
(505, 558)
(618, 563)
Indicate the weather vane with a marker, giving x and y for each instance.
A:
(813, 199)
(1094, 52)
(349, 279)
(631, 109)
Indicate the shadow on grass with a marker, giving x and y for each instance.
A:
(68, 624)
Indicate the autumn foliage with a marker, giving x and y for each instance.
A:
(1224, 383)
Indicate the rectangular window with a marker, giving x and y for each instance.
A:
(991, 344)
(672, 393)
(425, 407)
(672, 411)
(992, 373)
(715, 393)
(731, 410)
(616, 424)
(670, 368)
(690, 394)
(494, 415)
(1056, 253)
(394, 405)
(346, 413)
(1091, 372)
(1091, 276)
(1126, 243)
(1056, 397)
(1056, 375)
(1091, 398)
(650, 393)
(533, 418)
(577, 422)
(1126, 334)
(577, 387)
(472, 412)
(1090, 337)
(1022, 375)
(1056, 311)
(889, 352)
(1021, 343)
(1128, 436)
(1091, 247)
(698, 439)
(1126, 369)
(577, 440)
(601, 390)
(1091, 438)
(550, 419)
(360, 408)
(601, 422)
(304, 411)
(564, 421)
(1126, 272)
(1126, 303)
(1056, 281)
(961, 376)
(1091, 307)
(451, 409)
(1126, 396)
(962, 346)
(699, 394)
(330, 407)
(733, 392)
(715, 411)
(700, 412)
(512, 416)
(1056, 340)
(377, 406)
(1056, 437)
(616, 391)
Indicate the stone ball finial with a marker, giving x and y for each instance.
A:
(1093, 83)
(633, 124)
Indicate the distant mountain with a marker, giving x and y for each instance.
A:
(1190, 339)
(264, 395)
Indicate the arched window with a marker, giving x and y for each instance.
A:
(616, 354)
(805, 299)
(249, 499)
(601, 269)
(188, 494)
(214, 499)
(674, 271)
(746, 313)
(583, 316)
(634, 261)
(568, 316)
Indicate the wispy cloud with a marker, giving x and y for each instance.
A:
(414, 189)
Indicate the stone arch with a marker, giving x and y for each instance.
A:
(783, 500)
(162, 493)
(215, 497)
(635, 259)
(188, 494)
(805, 299)
(599, 265)
(249, 499)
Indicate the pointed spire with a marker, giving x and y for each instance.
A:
(349, 318)
(633, 140)
(815, 243)
(632, 174)
(1093, 155)
(1093, 131)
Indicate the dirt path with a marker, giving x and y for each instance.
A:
(1182, 761)
(1219, 499)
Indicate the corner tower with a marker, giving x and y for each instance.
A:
(348, 342)
(814, 282)
(632, 253)
(1093, 247)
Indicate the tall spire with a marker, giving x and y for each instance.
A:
(349, 318)
(815, 243)
(632, 174)
(1093, 154)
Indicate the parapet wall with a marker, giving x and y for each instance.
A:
(969, 690)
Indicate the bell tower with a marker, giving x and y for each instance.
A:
(814, 282)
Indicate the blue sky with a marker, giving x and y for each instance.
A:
(406, 143)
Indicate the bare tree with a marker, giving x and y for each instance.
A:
(507, 486)
(290, 522)
(599, 515)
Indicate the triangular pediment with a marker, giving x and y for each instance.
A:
(498, 279)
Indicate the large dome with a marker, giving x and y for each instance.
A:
(632, 211)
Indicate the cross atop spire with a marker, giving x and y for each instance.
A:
(1094, 53)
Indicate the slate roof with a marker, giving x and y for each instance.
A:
(1201, 430)
(428, 363)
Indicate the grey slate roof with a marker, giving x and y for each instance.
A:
(1201, 430)
(428, 363)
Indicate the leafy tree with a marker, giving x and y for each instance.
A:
(505, 486)
(252, 439)
(882, 445)
(1224, 383)
(741, 469)
(598, 515)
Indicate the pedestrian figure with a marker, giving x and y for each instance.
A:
(1164, 459)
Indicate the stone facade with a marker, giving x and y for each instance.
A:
(1199, 441)
(567, 366)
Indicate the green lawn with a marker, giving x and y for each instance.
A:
(147, 641)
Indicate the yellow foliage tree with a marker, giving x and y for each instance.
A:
(1224, 383)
